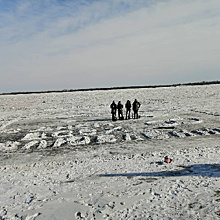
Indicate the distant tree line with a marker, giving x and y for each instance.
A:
(114, 88)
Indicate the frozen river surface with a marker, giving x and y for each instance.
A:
(63, 158)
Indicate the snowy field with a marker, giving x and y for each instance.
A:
(61, 156)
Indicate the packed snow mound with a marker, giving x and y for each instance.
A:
(9, 146)
(78, 140)
(105, 139)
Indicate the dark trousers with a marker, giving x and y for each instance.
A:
(120, 113)
(113, 115)
(136, 114)
(128, 113)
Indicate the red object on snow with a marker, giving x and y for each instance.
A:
(167, 160)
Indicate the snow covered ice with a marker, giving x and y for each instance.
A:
(63, 158)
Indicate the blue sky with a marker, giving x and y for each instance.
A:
(69, 44)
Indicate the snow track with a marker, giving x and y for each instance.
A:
(88, 134)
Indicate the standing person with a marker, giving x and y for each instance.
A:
(136, 106)
(128, 109)
(113, 107)
(120, 111)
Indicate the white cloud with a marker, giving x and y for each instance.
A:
(99, 47)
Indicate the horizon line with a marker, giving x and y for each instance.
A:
(113, 88)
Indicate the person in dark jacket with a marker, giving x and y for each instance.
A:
(136, 106)
(120, 111)
(128, 109)
(113, 107)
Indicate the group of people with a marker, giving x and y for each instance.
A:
(119, 107)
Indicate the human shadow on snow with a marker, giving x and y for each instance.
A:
(207, 170)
